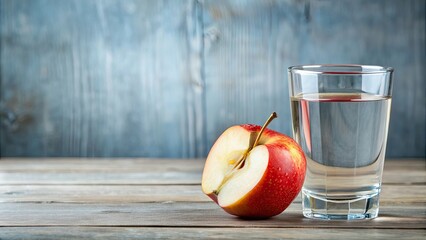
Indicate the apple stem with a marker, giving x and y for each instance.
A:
(271, 117)
(254, 144)
(240, 161)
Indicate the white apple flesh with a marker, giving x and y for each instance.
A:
(267, 181)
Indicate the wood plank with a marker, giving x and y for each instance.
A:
(411, 172)
(172, 214)
(76, 89)
(95, 78)
(405, 164)
(58, 233)
(249, 45)
(150, 171)
(146, 164)
(177, 211)
(99, 165)
(170, 177)
(102, 194)
(158, 193)
(95, 171)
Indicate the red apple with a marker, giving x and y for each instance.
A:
(254, 172)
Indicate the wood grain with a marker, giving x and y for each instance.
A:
(188, 214)
(99, 78)
(103, 165)
(157, 193)
(59, 233)
(147, 171)
(165, 209)
(142, 78)
(250, 46)
(102, 194)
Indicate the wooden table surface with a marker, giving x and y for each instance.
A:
(162, 198)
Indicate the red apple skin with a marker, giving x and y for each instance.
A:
(281, 182)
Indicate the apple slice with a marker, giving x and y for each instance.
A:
(254, 172)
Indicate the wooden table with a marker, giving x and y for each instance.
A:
(162, 198)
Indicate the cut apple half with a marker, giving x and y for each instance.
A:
(254, 172)
(227, 150)
(246, 178)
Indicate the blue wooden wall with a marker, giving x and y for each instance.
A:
(141, 78)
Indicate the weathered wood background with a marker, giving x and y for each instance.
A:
(165, 78)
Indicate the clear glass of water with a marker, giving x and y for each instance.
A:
(340, 116)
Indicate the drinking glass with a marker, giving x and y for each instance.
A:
(340, 117)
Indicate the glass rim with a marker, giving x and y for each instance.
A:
(333, 69)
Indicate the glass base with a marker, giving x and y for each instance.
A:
(366, 207)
